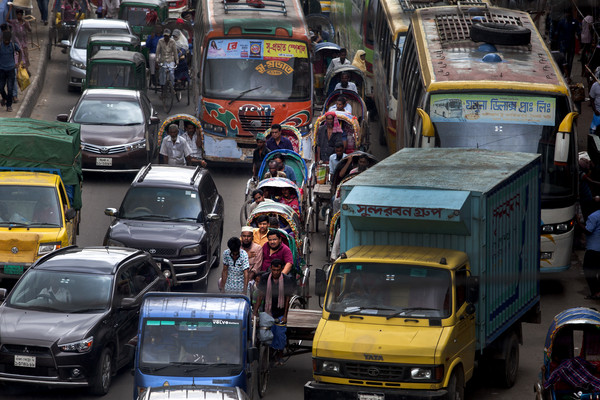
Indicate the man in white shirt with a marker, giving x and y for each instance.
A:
(341, 104)
(345, 83)
(194, 141)
(335, 159)
(175, 150)
(110, 8)
(339, 61)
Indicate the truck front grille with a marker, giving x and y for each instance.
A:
(251, 123)
(374, 371)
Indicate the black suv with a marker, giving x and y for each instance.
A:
(72, 318)
(174, 213)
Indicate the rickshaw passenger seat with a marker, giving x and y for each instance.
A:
(562, 348)
(590, 350)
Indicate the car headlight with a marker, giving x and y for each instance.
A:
(192, 250)
(116, 243)
(420, 373)
(82, 346)
(136, 146)
(77, 64)
(46, 248)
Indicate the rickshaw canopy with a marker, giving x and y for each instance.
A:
(136, 12)
(280, 183)
(346, 120)
(284, 213)
(179, 119)
(356, 75)
(579, 316)
(292, 159)
(292, 133)
(315, 21)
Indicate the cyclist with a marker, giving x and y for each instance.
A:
(166, 56)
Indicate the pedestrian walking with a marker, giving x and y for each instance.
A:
(236, 268)
(20, 28)
(43, 6)
(591, 259)
(7, 69)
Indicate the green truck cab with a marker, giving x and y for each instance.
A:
(439, 267)
(40, 191)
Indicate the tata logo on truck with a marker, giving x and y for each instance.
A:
(373, 357)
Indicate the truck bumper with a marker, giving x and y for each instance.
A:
(328, 391)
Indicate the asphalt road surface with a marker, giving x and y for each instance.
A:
(559, 291)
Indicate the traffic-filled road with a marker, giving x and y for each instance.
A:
(106, 190)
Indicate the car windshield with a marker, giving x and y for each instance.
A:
(190, 347)
(62, 292)
(29, 206)
(108, 112)
(164, 204)
(84, 34)
(112, 75)
(389, 289)
(232, 70)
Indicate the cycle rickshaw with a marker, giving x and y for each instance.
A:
(143, 15)
(59, 29)
(575, 329)
(180, 120)
(323, 54)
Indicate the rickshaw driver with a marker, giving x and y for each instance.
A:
(166, 53)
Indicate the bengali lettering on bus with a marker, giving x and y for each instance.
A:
(256, 49)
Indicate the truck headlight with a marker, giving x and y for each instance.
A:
(420, 373)
(116, 243)
(192, 250)
(46, 248)
(562, 227)
(330, 367)
(82, 346)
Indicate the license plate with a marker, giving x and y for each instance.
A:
(370, 396)
(13, 269)
(25, 361)
(104, 162)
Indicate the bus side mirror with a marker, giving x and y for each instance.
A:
(427, 130)
(320, 282)
(472, 289)
(561, 145)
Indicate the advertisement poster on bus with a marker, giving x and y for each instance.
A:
(492, 108)
(256, 49)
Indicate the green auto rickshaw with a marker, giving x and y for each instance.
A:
(117, 69)
(112, 41)
(143, 15)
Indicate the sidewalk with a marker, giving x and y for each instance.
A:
(38, 58)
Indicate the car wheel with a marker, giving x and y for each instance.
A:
(102, 379)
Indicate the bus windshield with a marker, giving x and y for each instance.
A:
(502, 122)
(389, 290)
(247, 69)
(190, 347)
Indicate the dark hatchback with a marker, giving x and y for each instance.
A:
(174, 213)
(71, 320)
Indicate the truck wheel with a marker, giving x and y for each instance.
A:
(102, 379)
(509, 366)
(502, 34)
(456, 386)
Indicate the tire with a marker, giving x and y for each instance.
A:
(495, 33)
(166, 97)
(49, 51)
(103, 376)
(456, 386)
(508, 368)
(263, 370)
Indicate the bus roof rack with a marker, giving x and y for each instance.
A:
(456, 26)
(412, 5)
(273, 6)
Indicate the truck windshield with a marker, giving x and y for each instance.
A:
(30, 206)
(62, 292)
(191, 347)
(389, 290)
(161, 204)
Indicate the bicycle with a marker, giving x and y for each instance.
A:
(168, 92)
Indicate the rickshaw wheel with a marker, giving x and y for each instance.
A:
(263, 369)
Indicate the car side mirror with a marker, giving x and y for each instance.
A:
(62, 117)
(2, 294)
(70, 214)
(213, 217)
(154, 120)
(65, 43)
(127, 302)
(320, 282)
(252, 354)
(111, 212)
(472, 289)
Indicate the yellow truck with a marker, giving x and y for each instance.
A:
(40, 190)
(439, 267)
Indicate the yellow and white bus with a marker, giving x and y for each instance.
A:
(483, 78)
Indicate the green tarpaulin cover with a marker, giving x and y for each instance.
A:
(30, 143)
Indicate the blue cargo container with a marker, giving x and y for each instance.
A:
(464, 220)
(195, 339)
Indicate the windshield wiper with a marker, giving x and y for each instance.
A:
(243, 93)
(357, 310)
(43, 224)
(181, 219)
(12, 224)
(404, 310)
(85, 310)
(163, 217)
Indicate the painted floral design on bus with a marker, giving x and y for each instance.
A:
(299, 119)
(216, 114)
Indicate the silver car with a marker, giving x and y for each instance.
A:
(77, 45)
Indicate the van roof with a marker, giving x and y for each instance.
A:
(28, 178)
(198, 305)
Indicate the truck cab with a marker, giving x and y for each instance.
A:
(36, 217)
(195, 339)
